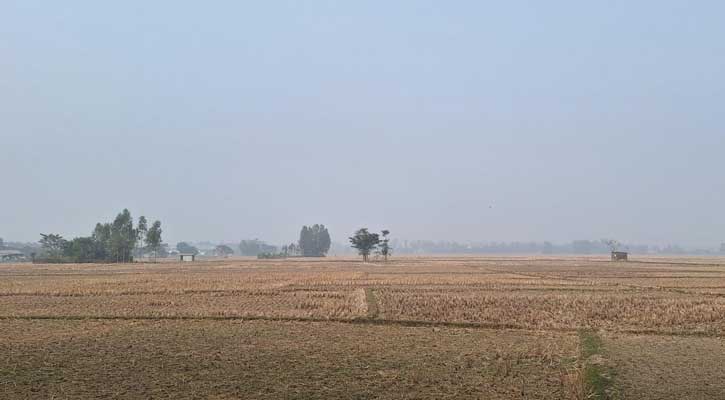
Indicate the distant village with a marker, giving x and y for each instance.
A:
(12, 251)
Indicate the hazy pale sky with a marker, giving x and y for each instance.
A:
(462, 120)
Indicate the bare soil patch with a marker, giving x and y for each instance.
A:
(272, 360)
(668, 367)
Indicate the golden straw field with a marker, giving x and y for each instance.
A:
(413, 327)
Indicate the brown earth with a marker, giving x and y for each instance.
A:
(668, 367)
(272, 360)
(426, 327)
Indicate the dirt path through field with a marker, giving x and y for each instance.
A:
(372, 303)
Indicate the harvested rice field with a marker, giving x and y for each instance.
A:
(417, 327)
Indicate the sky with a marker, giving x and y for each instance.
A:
(461, 120)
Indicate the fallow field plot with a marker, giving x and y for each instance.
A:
(418, 328)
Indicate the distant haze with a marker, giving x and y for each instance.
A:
(437, 120)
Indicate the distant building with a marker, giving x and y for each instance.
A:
(187, 257)
(620, 256)
(11, 256)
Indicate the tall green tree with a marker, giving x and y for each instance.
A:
(142, 230)
(53, 244)
(314, 241)
(102, 235)
(123, 237)
(365, 242)
(153, 238)
(322, 240)
(385, 249)
(306, 242)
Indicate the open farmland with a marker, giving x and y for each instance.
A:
(457, 327)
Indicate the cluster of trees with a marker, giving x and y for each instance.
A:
(116, 241)
(223, 251)
(186, 248)
(314, 241)
(367, 242)
(255, 247)
(291, 250)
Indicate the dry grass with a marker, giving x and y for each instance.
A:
(418, 330)
(559, 294)
(558, 309)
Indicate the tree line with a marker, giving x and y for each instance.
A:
(255, 247)
(574, 247)
(314, 241)
(121, 240)
(116, 242)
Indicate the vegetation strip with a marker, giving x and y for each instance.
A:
(372, 303)
(231, 292)
(362, 321)
(598, 374)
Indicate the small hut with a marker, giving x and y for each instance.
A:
(187, 257)
(620, 256)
